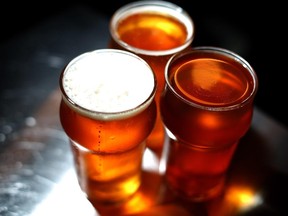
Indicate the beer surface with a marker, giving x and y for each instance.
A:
(152, 31)
(108, 82)
(211, 82)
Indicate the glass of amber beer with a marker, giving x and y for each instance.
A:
(108, 110)
(154, 30)
(207, 107)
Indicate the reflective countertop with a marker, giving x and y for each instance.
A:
(37, 176)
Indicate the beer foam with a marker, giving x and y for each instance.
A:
(108, 81)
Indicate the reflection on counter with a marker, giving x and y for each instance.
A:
(42, 180)
(63, 197)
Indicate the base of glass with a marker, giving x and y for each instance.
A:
(200, 195)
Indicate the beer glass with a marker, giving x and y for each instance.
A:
(154, 30)
(107, 111)
(207, 107)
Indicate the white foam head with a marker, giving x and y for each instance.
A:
(108, 81)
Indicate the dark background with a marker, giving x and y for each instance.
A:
(254, 31)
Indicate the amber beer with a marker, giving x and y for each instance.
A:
(107, 111)
(154, 30)
(207, 108)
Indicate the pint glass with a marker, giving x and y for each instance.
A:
(107, 111)
(154, 30)
(207, 107)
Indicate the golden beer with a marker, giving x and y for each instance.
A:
(107, 111)
(207, 107)
(154, 30)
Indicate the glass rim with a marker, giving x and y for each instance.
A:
(101, 115)
(223, 52)
(174, 10)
